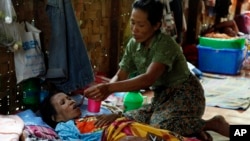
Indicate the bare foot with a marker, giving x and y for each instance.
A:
(218, 124)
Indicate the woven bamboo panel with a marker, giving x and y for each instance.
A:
(125, 33)
(94, 20)
(95, 17)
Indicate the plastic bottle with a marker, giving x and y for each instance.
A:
(31, 93)
(43, 94)
(132, 100)
(246, 61)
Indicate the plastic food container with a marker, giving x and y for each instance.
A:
(222, 61)
(218, 43)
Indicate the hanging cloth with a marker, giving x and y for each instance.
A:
(69, 67)
(176, 7)
(168, 24)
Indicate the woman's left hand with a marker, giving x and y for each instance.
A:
(104, 120)
(97, 92)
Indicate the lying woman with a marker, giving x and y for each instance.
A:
(61, 112)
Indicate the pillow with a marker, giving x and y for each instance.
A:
(35, 128)
(31, 118)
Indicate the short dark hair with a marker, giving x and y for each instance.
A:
(47, 110)
(154, 9)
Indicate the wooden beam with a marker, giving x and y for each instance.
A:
(238, 7)
(193, 10)
(115, 37)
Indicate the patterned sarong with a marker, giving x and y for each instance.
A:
(123, 127)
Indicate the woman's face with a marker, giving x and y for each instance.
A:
(65, 107)
(141, 28)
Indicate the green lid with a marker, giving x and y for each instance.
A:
(219, 43)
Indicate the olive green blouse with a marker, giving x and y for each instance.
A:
(162, 49)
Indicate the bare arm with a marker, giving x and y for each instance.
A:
(230, 24)
(120, 75)
(228, 27)
(145, 80)
(102, 91)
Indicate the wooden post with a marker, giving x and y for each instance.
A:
(238, 7)
(114, 37)
(192, 21)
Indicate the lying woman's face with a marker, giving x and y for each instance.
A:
(65, 107)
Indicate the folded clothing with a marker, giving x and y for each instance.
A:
(11, 127)
(35, 128)
(41, 132)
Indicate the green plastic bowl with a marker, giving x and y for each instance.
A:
(132, 101)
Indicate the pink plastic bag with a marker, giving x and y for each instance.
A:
(243, 22)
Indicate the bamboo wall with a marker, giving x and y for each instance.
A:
(102, 23)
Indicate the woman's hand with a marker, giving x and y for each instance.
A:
(97, 92)
(105, 120)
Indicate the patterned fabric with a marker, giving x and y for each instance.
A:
(68, 131)
(41, 132)
(178, 109)
(123, 127)
(87, 125)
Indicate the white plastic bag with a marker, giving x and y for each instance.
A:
(7, 11)
(6, 37)
(29, 59)
(9, 35)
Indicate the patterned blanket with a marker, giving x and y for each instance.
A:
(123, 127)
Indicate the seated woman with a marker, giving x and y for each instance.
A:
(222, 29)
(61, 112)
(179, 100)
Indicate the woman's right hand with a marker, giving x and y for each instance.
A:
(98, 92)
